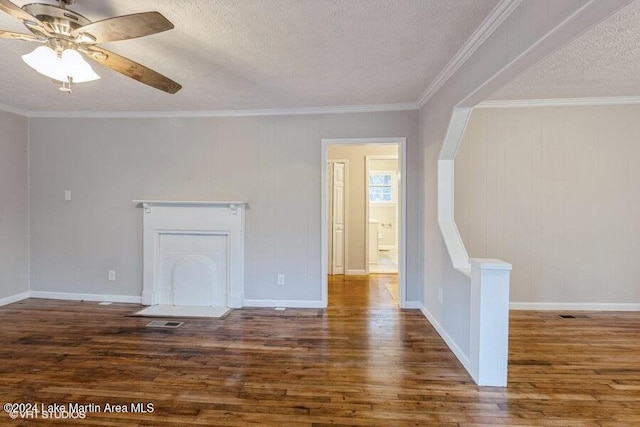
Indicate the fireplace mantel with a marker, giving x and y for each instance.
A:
(203, 220)
(233, 204)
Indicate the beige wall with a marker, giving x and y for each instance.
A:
(13, 205)
(356, 156)
(554, 191)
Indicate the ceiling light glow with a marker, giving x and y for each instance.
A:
(67, 67)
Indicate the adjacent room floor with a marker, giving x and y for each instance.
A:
(387, 262)
(362, 361)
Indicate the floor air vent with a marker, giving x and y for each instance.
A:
(164, 324)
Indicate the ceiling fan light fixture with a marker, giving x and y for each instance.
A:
(77, 68)
(69, 66)
(59, 29)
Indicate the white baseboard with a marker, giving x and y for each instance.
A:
(413, 305)
(355, 273)
(566, 306)
(85, 297)
(391, 248)
(14, 298)
(271, 303)
(463, 358)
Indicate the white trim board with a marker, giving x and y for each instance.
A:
(272, 303)
(339, 109)
(131, 299)
(413, 305)
(13, 110)
(65, 296)
(570, 306)
(14, 298)
(355, 273)
(495, 18)
(560, 102)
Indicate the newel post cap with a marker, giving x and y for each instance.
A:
(489, 264)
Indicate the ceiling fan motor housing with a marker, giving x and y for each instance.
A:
(59, 20)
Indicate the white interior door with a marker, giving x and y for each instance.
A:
(338, 219)
(329, 214)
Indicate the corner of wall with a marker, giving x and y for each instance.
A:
(28, 204)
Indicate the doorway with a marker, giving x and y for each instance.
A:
(355, 234)
(382, 201)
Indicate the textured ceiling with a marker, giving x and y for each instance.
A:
(603, 62)
(258, 54)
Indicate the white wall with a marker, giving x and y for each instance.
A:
(356, 155)
(509, 50)
(273, 162)
(387, 225)
(554, 191)
(13, 206)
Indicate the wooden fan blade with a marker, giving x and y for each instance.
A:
(132, 69)
(123, 28)
(33, 23)
(18, 36)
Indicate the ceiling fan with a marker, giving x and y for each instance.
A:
(64, 33)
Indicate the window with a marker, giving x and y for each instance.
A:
(381, 187)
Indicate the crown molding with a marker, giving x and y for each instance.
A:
(410, 106)
(560, 102)
(14, 110)
(497, 16)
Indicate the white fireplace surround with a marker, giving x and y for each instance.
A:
(193, 218)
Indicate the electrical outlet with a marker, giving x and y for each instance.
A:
(440, 295)
(280, 279)
(67, 195)
(112, 275)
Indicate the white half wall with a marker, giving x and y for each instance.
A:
(273, 162)
(554, 192)
(14, 210)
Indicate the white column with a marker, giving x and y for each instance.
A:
(489, 343)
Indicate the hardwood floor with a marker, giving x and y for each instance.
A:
(362, 361)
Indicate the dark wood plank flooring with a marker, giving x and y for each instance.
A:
(362, 361)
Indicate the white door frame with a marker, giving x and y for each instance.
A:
(402, 210)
